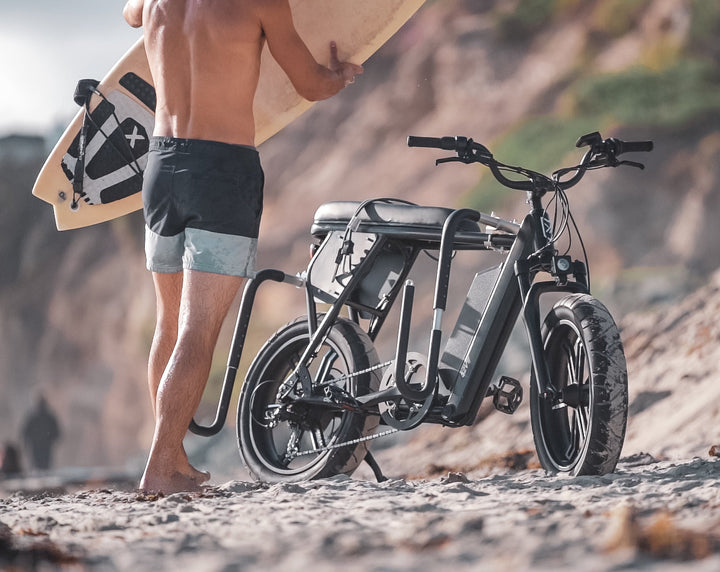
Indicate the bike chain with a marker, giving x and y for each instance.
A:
(346, 443)
(354, 441)
(354, 374)
(334, 381)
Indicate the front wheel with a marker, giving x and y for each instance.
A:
(281, 442)
(583, 432)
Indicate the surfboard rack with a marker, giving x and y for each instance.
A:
(236, 348)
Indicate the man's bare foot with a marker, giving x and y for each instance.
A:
(198, 476)
(175, 483)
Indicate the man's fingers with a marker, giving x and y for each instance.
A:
(347, 69)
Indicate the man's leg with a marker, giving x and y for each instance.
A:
(205, 301)
(168, 292)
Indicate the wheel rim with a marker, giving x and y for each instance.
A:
(565, 428)
(272, 445)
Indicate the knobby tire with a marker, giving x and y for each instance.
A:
(586, 360)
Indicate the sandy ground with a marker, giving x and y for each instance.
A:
(648, 515)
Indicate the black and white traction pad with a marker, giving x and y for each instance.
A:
(118, 140)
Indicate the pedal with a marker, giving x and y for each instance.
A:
(507, 395)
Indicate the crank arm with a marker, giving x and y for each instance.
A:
(326, 403)
(365, 404)
(373, 399)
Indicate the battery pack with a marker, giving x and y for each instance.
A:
(454, 360)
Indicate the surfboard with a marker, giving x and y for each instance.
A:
(122, 119)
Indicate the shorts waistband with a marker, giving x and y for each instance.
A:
(195, 145)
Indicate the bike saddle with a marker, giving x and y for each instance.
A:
(384, 218)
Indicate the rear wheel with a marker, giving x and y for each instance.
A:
(277, 439)
(584, 433)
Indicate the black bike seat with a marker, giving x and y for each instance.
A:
(385, 218)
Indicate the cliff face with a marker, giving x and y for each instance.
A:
(77, 308)
(76, 311)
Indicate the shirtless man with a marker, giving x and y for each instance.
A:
(202, 193)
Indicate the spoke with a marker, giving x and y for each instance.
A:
(571, 441)
(318, 438)
(583, 380)
(579, 361)
(582, 423)
(569, 373)
(570, 365)
(578, 432)
(567, 351)
(291, 449)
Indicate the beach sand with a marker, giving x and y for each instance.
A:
(647, 515)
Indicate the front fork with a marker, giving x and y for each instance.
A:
(561, 267)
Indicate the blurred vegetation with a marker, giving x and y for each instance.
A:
(672, 97)
(516, 23)
(615, 18)
(705, 27)
(674, 82)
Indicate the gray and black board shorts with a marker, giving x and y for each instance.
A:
(202, 202)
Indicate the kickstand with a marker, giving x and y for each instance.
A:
(370, 460)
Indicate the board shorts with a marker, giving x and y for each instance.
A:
(202, 202)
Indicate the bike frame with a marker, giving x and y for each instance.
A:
(514, 292)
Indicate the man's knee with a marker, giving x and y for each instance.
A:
(166, 332)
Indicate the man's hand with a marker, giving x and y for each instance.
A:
(311, 80)
(133, 12)
(347, 70)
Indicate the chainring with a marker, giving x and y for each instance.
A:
(402, 413)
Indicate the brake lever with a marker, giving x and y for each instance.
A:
(631, 164)
(611, 161)
(454, 160)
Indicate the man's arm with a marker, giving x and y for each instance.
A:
(310, 79)
(133, 12)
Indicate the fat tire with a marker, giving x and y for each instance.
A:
(356, 352)
(580, 320)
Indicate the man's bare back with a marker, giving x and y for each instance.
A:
(204, 56)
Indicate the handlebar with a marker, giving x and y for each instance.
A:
(630, 146)
(602, 153)
(445, 143)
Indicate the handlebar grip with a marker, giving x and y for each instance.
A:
(447, 143)
(633, 146)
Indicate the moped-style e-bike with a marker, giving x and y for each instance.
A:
(316, 395)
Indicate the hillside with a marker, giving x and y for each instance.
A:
(76, 308)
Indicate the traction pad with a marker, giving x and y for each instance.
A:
(123, 141)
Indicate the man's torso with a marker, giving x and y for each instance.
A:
(205, 59)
